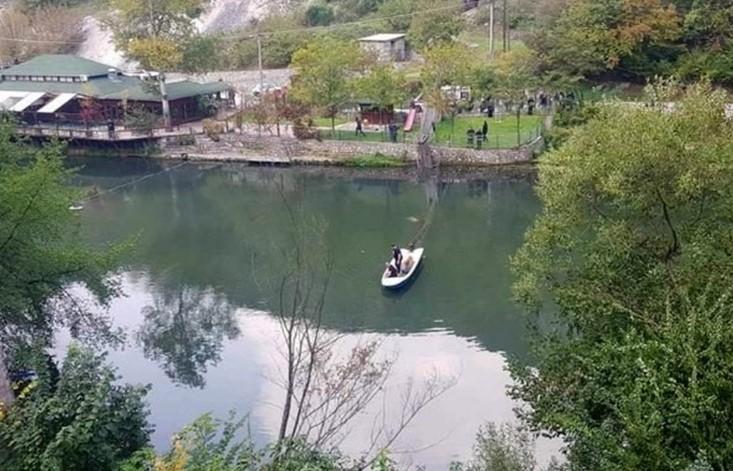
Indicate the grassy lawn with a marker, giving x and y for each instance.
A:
(502, 131)
(326, 122)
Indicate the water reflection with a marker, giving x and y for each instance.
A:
(183, 331)
(206, 233)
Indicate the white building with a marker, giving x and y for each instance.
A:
(388, 47)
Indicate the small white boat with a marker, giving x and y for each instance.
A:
(401, 280)
(76, 207)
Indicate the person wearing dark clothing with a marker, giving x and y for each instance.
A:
(392, 270)
(485, 129)
(392, 128)
(359, 127)
(397, 256)
(490, 110)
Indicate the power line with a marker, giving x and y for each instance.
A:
(235, 35)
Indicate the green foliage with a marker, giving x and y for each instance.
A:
(201, 54)
(504, 448)
(377, 160)
(632, 248)
(319, 15)
(140, 118)
(715, 65)
(325, 69)
(437, 24)
(383, 85)
(142, 27)
(209, 444)
(446, 64)
(85, 422)
(633, 38)
(41, 251)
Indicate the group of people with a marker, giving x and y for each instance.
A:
(392, 129)
(399, 265)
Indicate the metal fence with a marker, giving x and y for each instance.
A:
(505, 140)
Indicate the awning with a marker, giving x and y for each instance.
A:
(57, 103)
(4, 96)
(27, 101)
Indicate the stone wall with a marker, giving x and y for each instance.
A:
(251, 148)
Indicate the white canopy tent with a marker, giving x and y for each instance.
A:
(55, 104)
(27, 101)
(8, 99)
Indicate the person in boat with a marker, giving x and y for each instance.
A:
(392, 271)
(397, 256)
(407, 264)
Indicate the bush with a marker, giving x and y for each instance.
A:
(714, 65)
(83, 422)
(377, 160)
(318, 15)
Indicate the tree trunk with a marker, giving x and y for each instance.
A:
(6, 391)
(519, 133)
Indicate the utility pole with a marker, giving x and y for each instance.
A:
(259, 61)
(505, 28)
(491, 27)
(164, 101)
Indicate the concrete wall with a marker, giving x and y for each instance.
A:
(237, 147)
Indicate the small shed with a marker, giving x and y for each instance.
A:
(373, 114)
(388, 47)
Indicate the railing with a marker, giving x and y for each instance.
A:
(101, 134)
(505, 140)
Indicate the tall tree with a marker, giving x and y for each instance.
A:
(633, 248)
(42, 252)
(325, 69)
(150, 30)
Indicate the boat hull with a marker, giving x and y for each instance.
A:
(398, 282)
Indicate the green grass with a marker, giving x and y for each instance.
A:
(377, 160)
(502, 131)
(326, 122)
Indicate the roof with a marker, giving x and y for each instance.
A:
(98, 85)
(58, 65)
(125, 88)
(384, 37)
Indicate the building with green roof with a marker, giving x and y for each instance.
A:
(71, 90)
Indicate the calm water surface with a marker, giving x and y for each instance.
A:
(196, 312)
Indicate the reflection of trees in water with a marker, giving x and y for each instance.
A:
(184, 331)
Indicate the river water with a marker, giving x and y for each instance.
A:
(197, 315)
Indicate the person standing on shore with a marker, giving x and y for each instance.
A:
(359, 127)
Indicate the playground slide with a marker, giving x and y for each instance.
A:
(410, 119)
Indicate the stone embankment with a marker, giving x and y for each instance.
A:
(291, 151)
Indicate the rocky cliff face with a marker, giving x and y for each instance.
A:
(222, 15)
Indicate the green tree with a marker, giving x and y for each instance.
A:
(446, 64)
(325, 69)
(383, 85)
(633, 251)
(42, 253)
(84, 421)
(318, 15)
(437, 22)
(634, 37)
(144, 28)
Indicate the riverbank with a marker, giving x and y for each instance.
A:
(290, 151)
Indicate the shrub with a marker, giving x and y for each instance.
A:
(84, 422)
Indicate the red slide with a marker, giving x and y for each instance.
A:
(410, 119)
